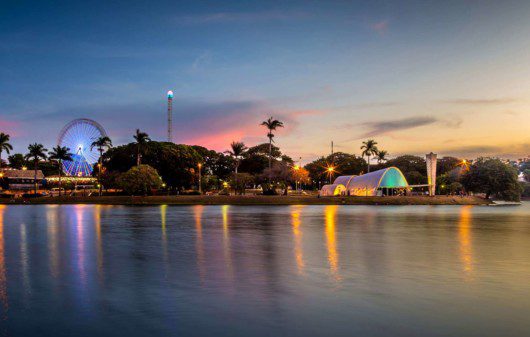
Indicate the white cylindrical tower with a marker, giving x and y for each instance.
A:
(431, 160)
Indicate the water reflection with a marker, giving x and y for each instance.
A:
(163, 215)
(199, 245)
(260, 271)
(298, 252)
(24, 261)
(80, 243)
(53, 240)
(99, 244)
(464, 236)
(3, 278)
(226, 242)
(331, 241)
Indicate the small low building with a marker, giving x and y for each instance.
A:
(388, 181)
(20, 179)
(332, 190)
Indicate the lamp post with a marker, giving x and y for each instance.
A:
(200, 184)
(296, 169)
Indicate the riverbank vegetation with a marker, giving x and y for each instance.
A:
(144, 165)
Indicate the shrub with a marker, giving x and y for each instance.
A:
(140, 180)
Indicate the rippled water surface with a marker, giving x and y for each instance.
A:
(264, 271)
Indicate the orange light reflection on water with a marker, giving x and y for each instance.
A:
(464, 237)
(298, 252)
(331, 241)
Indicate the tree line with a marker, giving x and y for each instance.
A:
(144, 164)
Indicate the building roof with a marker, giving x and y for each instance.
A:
(368, 184)
(344, 180)
(22, 174)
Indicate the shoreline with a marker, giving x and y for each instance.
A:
(251, 200)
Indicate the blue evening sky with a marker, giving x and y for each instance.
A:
(448, 76)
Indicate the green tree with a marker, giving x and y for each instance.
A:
(492, 177)
(176, 163)
(215, 164)
(36, 152)
(17, 161)
(381, 156)
(60, 154)
(237, 151)
(4, 145)
(256, 158)
(271, 124)
(101, 144)
(141, 139)
(369, 148)
(240, 181)
(140, 180)
(447, 164)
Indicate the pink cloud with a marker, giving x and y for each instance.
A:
(9, 127)
(380, 27)
(240, 126)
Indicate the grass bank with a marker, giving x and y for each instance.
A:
(254, 200)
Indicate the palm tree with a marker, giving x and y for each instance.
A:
(369, 148)
(238, 149)
(4, 145)
(141, 139)
(381, 156)
(271, 124)
(101, 143)
(36, 152)
(61, 153)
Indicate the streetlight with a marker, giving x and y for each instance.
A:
(330, 171)
(296, 168)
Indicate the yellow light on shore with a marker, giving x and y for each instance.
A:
(296, 167)
(24, 168)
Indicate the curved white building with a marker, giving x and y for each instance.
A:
(371, 184)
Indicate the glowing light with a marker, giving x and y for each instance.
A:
(170, 94)
(225, 184)
(331, 169)
(296, 167)
(24, 168)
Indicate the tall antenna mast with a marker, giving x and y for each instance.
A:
(169, 115)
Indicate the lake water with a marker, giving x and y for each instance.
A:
(89, 270)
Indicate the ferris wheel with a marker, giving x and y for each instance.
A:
(78, 135)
